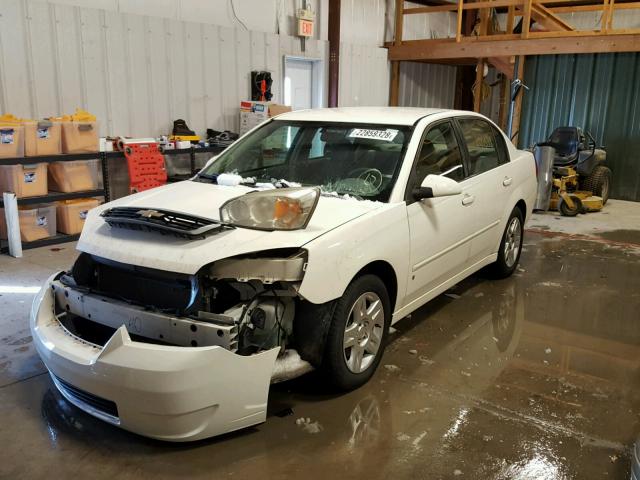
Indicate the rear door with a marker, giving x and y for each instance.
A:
(440, 228)
(488, 183)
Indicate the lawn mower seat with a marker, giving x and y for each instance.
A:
(567, 141)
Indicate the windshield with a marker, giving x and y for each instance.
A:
(341, 158)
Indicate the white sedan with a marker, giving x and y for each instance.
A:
(294, 249)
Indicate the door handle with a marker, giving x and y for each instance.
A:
(507, 181)
(468, 199)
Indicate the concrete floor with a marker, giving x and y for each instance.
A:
(532, 377)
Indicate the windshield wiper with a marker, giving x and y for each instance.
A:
(208, 176)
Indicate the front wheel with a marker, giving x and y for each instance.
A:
(358, 333)
(510, 246)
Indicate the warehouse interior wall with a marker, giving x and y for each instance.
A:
(139, 64)
(136, 73)
(598, 92)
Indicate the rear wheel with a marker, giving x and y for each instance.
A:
(599, 182)
(510, 246)
(358, 333)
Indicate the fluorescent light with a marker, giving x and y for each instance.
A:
(18, 289)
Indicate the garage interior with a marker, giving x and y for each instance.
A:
(536, 376)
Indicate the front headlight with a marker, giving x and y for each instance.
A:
(281, 209)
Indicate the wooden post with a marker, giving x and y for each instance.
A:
(459, 27)
(518, 106)
(477, 91)
(604, 20)
(526, 19)
(397, 35)
(504, 102)
(394, 86)
(334, 51)
(510, 16)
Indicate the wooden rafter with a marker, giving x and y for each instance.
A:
(548, 19)
(446, 49)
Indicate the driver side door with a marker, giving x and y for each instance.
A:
(440, 228)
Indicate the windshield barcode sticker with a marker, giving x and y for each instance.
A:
(387, 135)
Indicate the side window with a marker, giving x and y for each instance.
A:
(481, 145)
(439, 154)
(503, 151)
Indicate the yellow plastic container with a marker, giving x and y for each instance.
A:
(24, 180)
(71, 214)
(75, 176)
(79, 132)
(42, 138)
(11, 141)
(36, 222)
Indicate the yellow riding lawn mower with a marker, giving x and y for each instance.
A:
(581, 182)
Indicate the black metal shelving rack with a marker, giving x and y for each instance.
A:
(103, 192)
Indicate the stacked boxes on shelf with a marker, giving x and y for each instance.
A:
(71, 134)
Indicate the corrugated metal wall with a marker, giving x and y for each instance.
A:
(364, 76)
(427, 85)
(136, 73)
(600, 93)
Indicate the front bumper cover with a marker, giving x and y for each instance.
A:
(164, 392)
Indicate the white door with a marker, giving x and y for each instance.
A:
(298, 84)
(489, 184)
(441, 228)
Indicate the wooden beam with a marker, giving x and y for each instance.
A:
(517, 111)
(547, 19)
(595, 8)
(503, 64)
(605, 16)
(609, 24)
(504, 102)
(477, 86)
(526, 19)
(441, 49)
(334, 52)
(394, 85)
(397, 35)
(459, 22)
(510, 19)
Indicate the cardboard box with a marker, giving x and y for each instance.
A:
(80, 137)
(253, 113)
(75, 176)
(11, 141)
(36, 222)
(71, 214)
(24, 180)
(42, 138)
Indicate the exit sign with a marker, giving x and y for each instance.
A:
(305, 28)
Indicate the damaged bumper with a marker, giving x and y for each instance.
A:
(164, 392)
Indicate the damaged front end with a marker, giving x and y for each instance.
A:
(244, 304)
(119, 333)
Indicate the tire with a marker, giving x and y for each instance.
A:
(510, 246)
(566, 211)
(599, 182)
(340, 366)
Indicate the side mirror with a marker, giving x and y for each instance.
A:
(436, 186)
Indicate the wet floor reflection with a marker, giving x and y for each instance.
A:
(536, 376)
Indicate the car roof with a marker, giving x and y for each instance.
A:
(371, 115)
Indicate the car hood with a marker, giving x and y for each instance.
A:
(166, 252)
